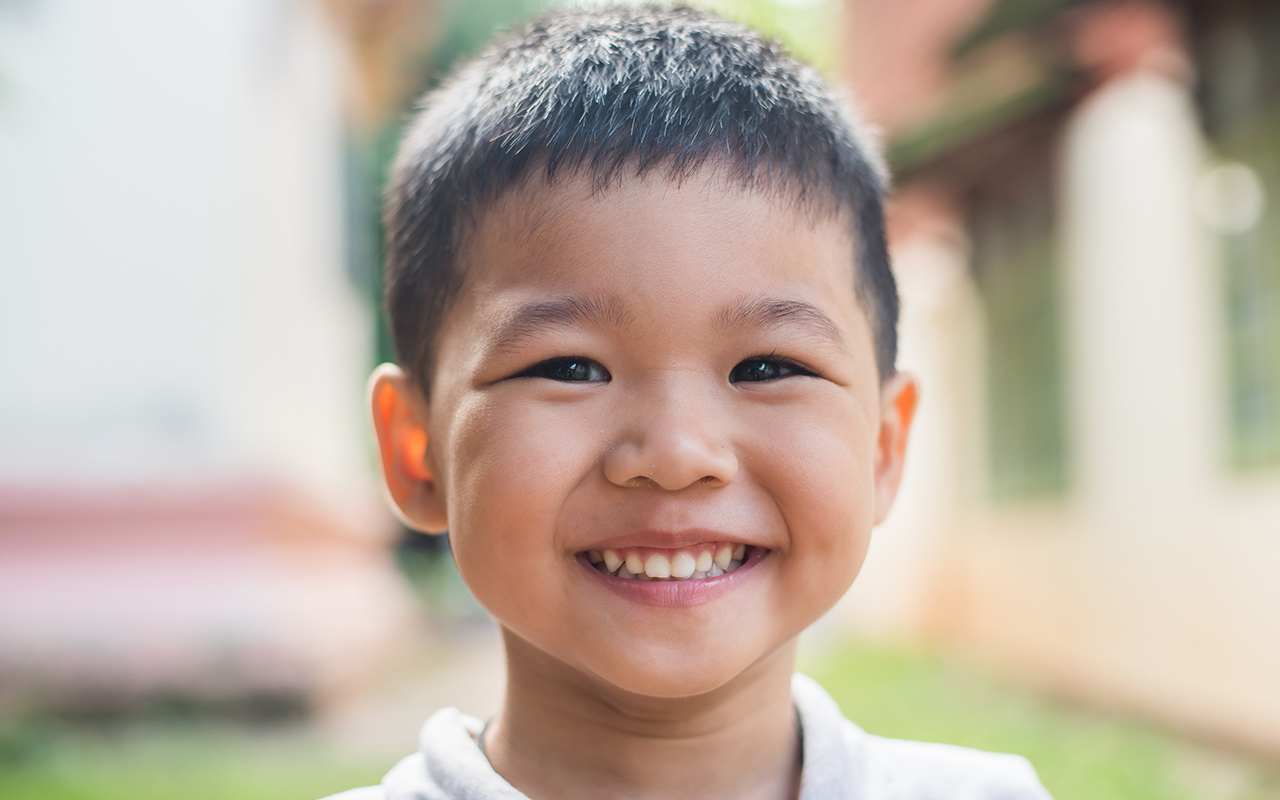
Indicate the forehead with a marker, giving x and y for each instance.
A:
(649, 250)
(648, 227)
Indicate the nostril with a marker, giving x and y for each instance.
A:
(669, 459)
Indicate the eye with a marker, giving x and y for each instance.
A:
(765, 368)
(572, 369)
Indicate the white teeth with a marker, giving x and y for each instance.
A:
(723, 556)
(683, 565)
(657, 566)
(704, 561)
(611, 560)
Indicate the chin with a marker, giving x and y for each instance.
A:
(668, 684)
(661, 673)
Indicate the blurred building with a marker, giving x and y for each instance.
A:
(1086, 229)
(1087, 235)
(187, 495)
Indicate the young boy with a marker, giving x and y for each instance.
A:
(645, 319)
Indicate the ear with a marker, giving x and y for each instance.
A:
(400, 422)
(898, 399)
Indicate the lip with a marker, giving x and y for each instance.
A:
(666, 540)
(675, 594)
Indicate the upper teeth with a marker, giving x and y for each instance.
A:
(700, 561)
(656, 566)
(611, 560)
(704, 561)
(682, 565)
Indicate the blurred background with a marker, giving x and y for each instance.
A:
(202, 596)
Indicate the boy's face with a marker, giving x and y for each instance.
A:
(656, 370)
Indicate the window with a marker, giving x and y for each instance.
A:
(1240, 96)
(1251, 261)
(1016, 270)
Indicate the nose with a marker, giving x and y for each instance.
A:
(672, 443)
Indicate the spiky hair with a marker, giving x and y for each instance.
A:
(613, 93)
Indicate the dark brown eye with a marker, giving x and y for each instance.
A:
(765, 368)
(569, 370)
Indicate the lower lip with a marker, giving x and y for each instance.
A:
(688, 592)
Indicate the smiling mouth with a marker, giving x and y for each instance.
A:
(709, 560)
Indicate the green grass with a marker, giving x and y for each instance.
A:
(1080, 754)
(188, 760)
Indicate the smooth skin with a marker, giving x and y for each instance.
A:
(670, 362)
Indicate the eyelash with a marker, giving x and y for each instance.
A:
(786, 366)
(577, 369)
(556, 369)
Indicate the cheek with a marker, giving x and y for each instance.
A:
(514, 464)
(819, 464)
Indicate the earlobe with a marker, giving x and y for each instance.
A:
(401, 425)
(899, 397)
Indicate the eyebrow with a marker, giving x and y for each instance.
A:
(772, 312)
(529, 319)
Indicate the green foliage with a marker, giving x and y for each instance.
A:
(1010, 17)
(1080, 754)
(470, 25)
(810, 29)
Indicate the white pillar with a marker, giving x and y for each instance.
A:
(1140, 300)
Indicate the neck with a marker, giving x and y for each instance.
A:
(561, 734)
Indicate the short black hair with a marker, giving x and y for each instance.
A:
(608, 93)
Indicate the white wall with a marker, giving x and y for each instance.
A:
(173, 300)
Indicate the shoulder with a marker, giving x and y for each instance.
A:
(410, 779)
(900, 768)
(841, 760)
(447, 766)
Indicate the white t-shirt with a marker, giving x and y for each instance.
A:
(841, 762)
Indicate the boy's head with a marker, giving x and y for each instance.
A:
(609, 95)
(639, 286)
